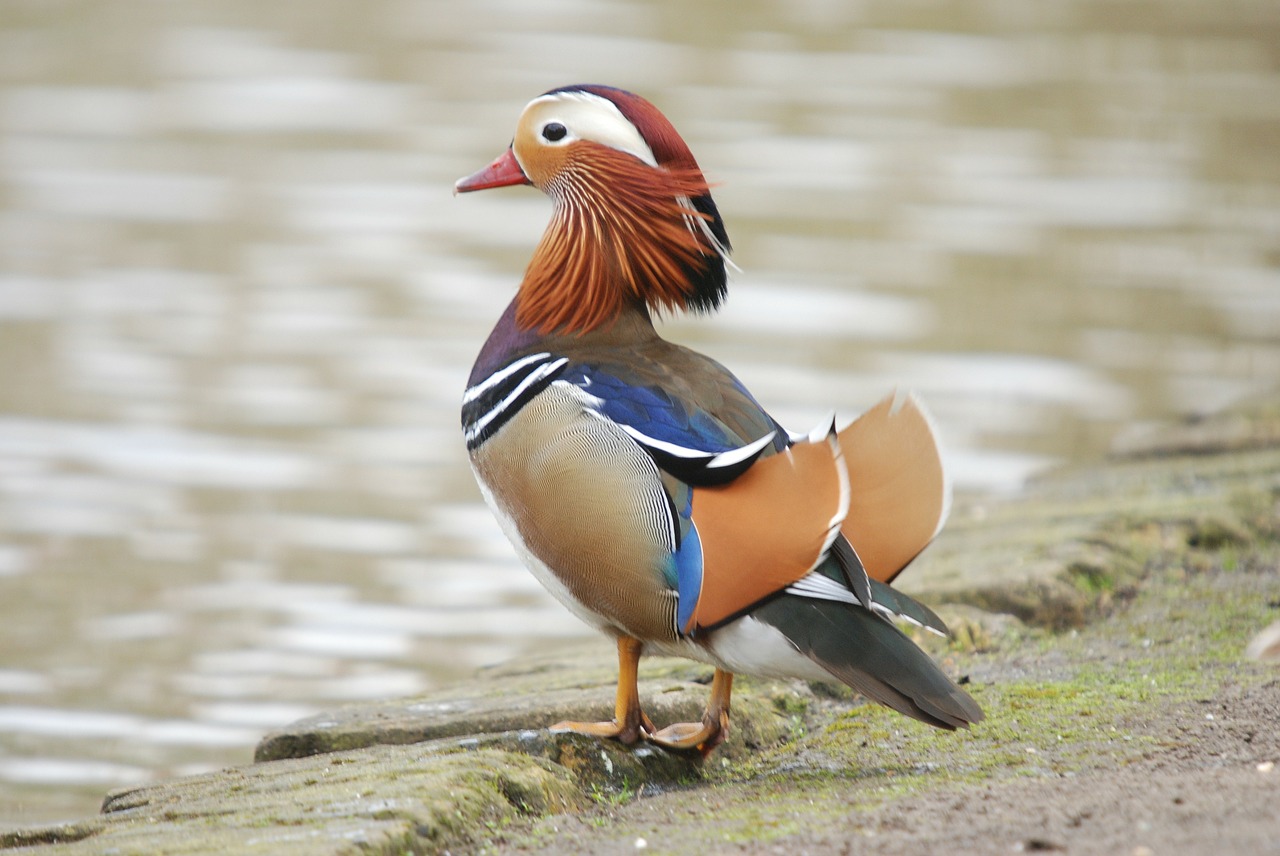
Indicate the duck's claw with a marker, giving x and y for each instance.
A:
(625, 732)
(701, 737)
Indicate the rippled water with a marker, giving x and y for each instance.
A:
(238, 303)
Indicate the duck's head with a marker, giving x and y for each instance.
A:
(634, 224)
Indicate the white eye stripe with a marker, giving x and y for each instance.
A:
(586, 116)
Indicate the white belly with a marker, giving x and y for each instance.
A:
(749, 647)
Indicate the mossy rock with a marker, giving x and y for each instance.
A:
(531, 695)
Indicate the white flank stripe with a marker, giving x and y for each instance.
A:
(737, 456)
(662, 445)
(722, 459)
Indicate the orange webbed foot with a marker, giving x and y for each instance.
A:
(630, 724)
(701, 737)
(629, 731)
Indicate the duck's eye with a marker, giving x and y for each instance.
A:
(554, 132)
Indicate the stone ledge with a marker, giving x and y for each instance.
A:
(448, 769)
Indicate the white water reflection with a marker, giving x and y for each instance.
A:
(63, 771)
(1012, 379)
(27, 297)
(104, 111)
(261, 715)
(238, 304)
(161, 456)
(771, 306)
(1250, 298)
(132, 625)
(78, 725)
(346, 534)
(13, 561)
(246, 81)
(13, 682)
(122, 195)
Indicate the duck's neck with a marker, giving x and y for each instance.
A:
(509, 338)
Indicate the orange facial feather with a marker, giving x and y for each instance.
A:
(622, 233)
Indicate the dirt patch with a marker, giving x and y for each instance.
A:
(1212, 794)
(1145, 733)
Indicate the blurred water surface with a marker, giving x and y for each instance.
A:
(238, 304)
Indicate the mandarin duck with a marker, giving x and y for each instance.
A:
(642, 483)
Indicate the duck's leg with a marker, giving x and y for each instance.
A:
(702, 736)
(629, 721)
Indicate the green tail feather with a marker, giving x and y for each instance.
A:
(907, 606)
(873, 657)
(843, 565)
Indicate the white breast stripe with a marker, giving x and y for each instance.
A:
(534, 376)
(499, 376)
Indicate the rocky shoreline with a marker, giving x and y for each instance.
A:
(1099, 617)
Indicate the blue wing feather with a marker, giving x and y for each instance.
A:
(683, 438)
(690, 443)
(654, 413)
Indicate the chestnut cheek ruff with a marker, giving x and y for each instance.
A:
(622, 233)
